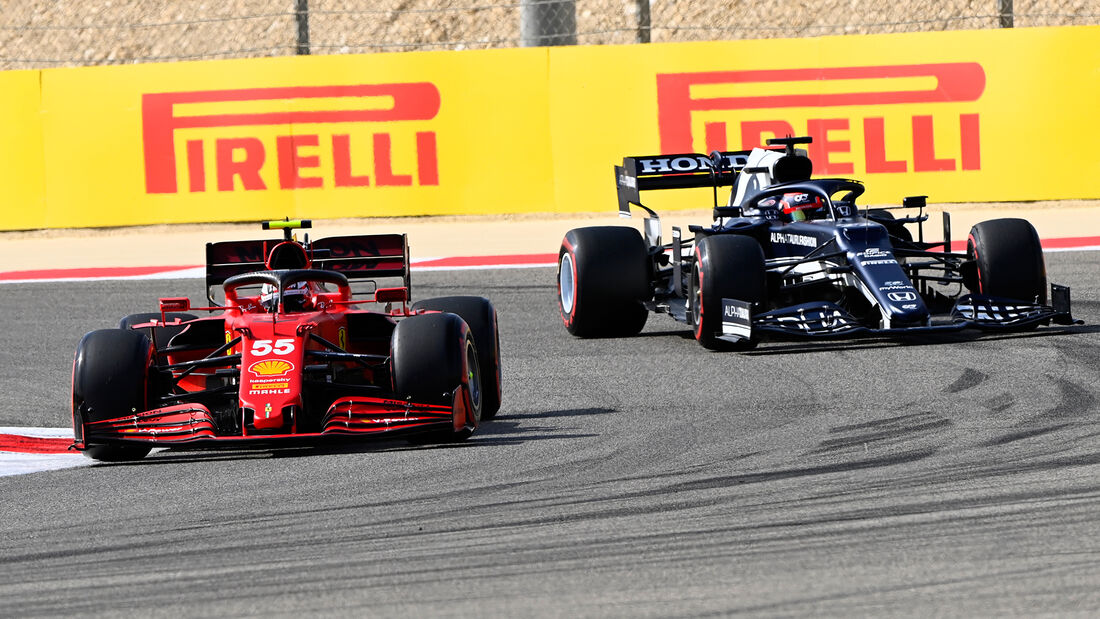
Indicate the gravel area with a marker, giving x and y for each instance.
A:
(47, 33)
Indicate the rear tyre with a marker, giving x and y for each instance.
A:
(161, 335)
(726, 267)
(1009, 260)
(481, 317)
(110, 379)
(603, 279)
(432, 355)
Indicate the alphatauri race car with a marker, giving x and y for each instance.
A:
(290, 354)
(790, 255)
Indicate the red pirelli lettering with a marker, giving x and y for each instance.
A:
(955, 81)
(752, 132)
(247, 168)
(874, 138)
(341, 159)
(823, 146)
(161, 119)
(291, 161)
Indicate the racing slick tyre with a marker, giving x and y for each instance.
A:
(431, 356)
(895, 229)
(110, 374)
(726, 267)
(1009, 260)
(481, 317)
(603, 279)
(160, 335)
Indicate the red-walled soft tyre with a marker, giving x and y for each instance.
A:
(110, 380)
(481, 317)
(603, 280)
(726, 267)
(1009, 260)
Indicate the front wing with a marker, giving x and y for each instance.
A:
(828, 320)
(191, 424)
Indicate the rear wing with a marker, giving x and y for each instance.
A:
(360, 257)
(638, 174)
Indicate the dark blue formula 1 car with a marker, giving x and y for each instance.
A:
(793, 256)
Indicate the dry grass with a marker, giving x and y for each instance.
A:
(49, 33)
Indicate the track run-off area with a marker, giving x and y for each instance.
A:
(645, 476)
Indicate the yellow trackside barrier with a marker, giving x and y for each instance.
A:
(988, 115)
(22, 169)
(339, 136)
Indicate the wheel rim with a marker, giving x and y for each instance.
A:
(566, 284)
(473, 376)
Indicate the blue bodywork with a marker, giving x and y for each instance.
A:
(831, 269)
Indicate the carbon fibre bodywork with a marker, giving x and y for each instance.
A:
(830, 267)
(271, 366)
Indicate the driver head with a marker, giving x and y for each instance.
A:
(296, 297)
(801, 206)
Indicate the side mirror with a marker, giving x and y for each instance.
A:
(174, 304)
(914, 201)
(391, 295)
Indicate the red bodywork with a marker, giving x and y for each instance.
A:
(253, 374)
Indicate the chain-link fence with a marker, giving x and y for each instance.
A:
(51, 33)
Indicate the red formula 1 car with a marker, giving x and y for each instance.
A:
(290, 353)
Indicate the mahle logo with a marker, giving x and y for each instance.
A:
(364, 118)
(828, 95)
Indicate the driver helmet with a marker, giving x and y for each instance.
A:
(801, 206)
(296, 297)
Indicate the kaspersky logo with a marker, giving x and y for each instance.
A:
(765, 103)
(358, 152)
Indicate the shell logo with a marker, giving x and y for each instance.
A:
(271, 367)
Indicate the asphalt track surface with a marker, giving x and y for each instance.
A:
(632, 477)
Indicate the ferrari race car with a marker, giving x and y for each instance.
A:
(290, 354)
(788, 255)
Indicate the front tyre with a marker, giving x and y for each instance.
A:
(110, 380)
(603, 279)
(160, 336)
(1009, 260)
(481, 317)
(432, 355)
(893, 228)
(726, 267)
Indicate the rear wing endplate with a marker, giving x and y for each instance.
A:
(638, 174)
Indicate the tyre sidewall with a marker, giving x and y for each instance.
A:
(111, 380)
(608, 267)
(481, 318)
(726, 267)
(1009, 260)
(429, 360)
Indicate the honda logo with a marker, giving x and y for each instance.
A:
(902, 296)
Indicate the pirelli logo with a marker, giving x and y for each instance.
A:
(842, 137)
(358, 150)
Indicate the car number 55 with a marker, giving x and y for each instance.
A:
(262, 348)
